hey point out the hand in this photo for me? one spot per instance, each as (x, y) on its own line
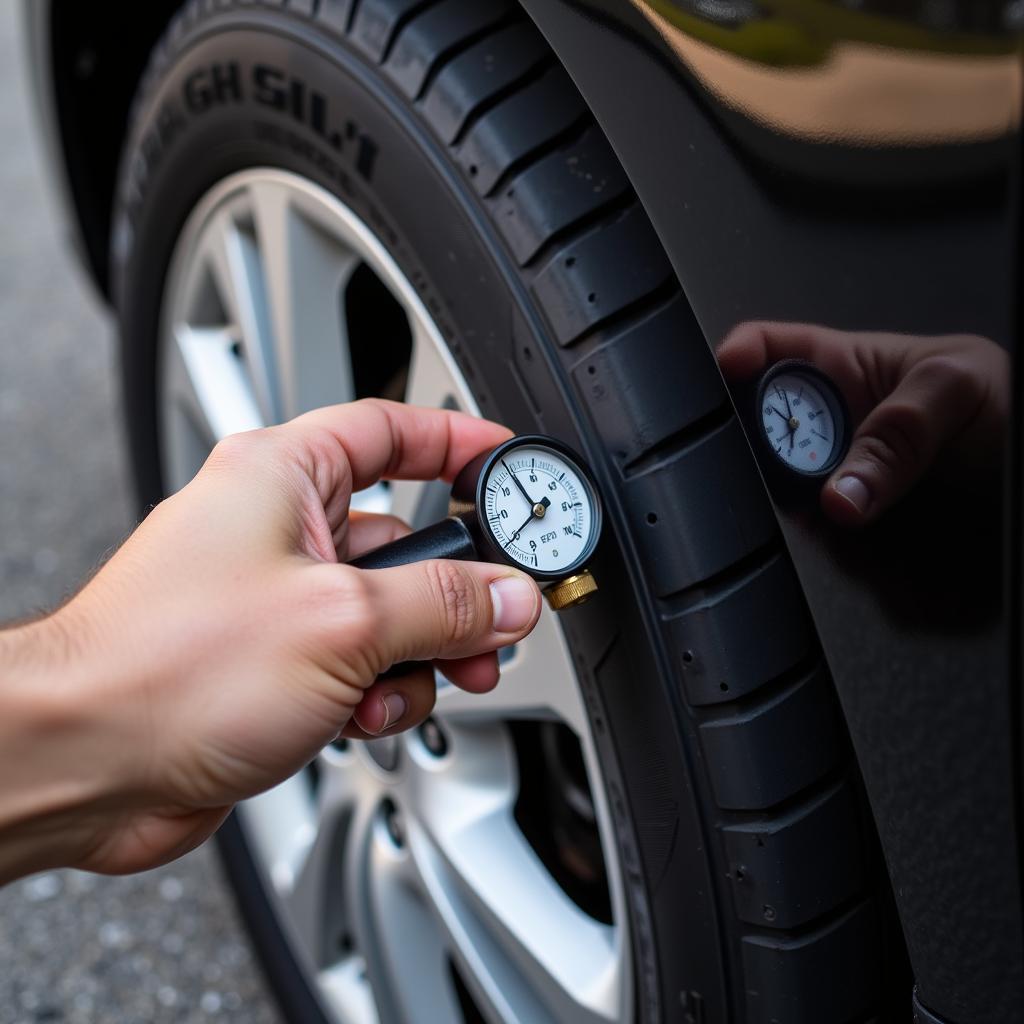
(224, 645)
(923, 404)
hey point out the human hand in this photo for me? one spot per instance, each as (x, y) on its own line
(922, 404)
(223, 645)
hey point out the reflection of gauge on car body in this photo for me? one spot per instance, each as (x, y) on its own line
(802, 419)
(531, 503)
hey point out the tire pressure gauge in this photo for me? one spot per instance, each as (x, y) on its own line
(531, 503)
(802, 419)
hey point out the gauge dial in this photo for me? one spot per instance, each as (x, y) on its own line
(802, 418)
(539, 508)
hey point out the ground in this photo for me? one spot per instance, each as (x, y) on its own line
(161, 947)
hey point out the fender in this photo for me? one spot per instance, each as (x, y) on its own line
(783, 187)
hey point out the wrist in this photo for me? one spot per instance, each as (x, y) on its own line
(57, 757)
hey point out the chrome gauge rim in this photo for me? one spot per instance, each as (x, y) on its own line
(422, 877)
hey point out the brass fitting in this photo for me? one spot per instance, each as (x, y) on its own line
(572, 591)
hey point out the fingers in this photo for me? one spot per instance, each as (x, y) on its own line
(447, 609)
(369, 530)
(477, 673)
(751, 346)
(397, 704)
(393, 705)
(356, 445)
(900, 438)
(866, 365)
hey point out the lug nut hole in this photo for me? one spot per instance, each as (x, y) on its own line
(433, 738)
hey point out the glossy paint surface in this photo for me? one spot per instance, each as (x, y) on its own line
(849, 175)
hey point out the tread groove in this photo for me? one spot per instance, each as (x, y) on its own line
(563, 138)
(351, 19)
(467, 42)
(792, 806)
(400, 22)
(721, 584)
(534, 73)
(767, 694)
(639, 309)
(676, 443)
(816, 928)
(570, 232)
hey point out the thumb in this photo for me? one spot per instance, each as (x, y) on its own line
(450, 609)
(899, 440)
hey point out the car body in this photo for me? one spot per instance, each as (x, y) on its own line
(852, 165)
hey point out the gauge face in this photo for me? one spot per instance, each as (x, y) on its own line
(802, 418)
(539, 508)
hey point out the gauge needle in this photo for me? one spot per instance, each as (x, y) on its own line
(522, 489)
(515, 536)
(777, 413)
(784, 395)
(545, 502)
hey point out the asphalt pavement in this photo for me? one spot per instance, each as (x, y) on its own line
(156, 948)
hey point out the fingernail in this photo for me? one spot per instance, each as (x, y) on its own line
(855, 491)
(394, 706)
(514, 601)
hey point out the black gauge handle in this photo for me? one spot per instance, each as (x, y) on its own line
(450, 538)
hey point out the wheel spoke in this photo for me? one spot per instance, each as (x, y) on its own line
(314, 902)
(213, 384)
(230, 255)
(432, 382)
(406, 960)
(281, 825)
(346, 987)
(527, 952)
(432, 373)
(304, 270)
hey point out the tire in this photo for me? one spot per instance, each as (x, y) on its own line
(750, 867)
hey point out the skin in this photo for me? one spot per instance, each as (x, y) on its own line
(921, 404)
(224, 645)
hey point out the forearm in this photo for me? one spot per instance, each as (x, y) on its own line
(56, 759)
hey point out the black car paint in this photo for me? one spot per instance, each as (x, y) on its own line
(765, 223)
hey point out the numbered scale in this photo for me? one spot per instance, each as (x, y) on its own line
(531, 503)
(802, 419)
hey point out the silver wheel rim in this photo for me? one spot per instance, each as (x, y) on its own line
(403, 874)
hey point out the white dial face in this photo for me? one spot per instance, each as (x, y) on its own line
(798, 422)
(539, 509)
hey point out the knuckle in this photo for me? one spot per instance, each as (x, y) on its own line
(895, 445)
(951, 375)
(227, 450)
(457, 604)
(352, 602)
(235, 449)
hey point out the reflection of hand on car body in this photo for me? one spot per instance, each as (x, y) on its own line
(922, 404)
(224, 645)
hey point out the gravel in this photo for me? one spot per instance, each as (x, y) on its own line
(161, 947)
